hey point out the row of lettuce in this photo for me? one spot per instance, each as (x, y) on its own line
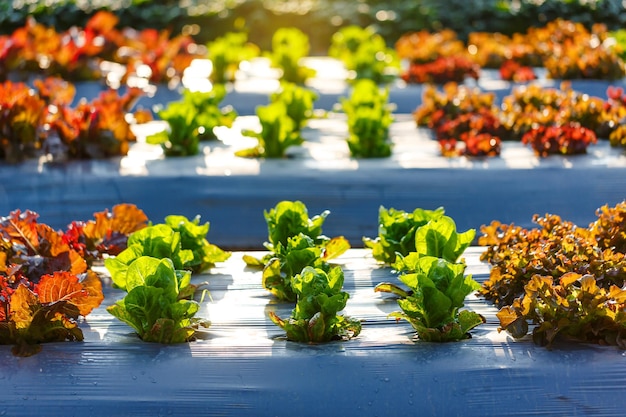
(39, 120)
(566, 49)
(465, 121)
(560, 280)
(319, 18)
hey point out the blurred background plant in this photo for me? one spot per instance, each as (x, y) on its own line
(319, 19)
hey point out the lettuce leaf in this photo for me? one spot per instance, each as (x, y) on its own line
(438, 289)
(178, 239)
(319, 299)
(153, 306)
(396, 232)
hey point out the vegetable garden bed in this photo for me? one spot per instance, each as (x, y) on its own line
(232, 192)
(243, 366)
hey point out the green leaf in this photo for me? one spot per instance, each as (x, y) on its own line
(319, 298)
(316, 327)
(276, 281)
(253, 262)
(439, 238)
(391, 288)
(140, 308)
(396, 232)
(193, 238)
(335, 247)
(118, 266)
(438, 290)
(469, 319)
(290, 218)
(153, 272)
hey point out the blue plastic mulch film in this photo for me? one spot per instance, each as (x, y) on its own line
(242, 365)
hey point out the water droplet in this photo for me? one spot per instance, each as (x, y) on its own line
(386, 379)
(95, 383)
(134, 377)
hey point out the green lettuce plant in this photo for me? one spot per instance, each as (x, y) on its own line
(365, 54)
(156, 304)
(319, 299)
(289, 46)
(290, 218)
(282, 265)
(295, 241)
(191, 120)
(180, 240)
(369, 117)
(396, 232)
(227, 52)
(437, 290)
(299, 102)
(437, 238)
(435, 277)
(193, 238)
(278, 133)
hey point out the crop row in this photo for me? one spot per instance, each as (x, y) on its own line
(567, 50)
(41, 122)
(318, 17)
(564, 280)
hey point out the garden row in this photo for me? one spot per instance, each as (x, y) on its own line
(567, 50)
(566, 280)
(41, 122)
(318, 18)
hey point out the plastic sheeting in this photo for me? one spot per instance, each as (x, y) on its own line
(242, 366)
(232, 193)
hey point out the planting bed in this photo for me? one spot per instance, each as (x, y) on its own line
(243, 366)
(232, 192)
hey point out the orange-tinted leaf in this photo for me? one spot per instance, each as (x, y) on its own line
(588, 284)
(127, 218)
(53, 240)
(64, 286)
(617, 294)
(60, 286)
(22, 227)
(23, 306)
(3, 261)
(569, 278)
(56, 90)
(93, 286)
(78, 265)
(506, 315)
(124, 218)
(102, 21)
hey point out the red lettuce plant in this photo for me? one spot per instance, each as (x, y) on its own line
(45, 285)
(567, 280)
(78, 52)
(511, 70)
(22, 117)
(568, 139)
(36, 122)
(442, 70)
(107, 233)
